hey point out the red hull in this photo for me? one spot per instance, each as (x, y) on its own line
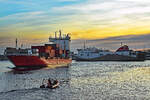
(34, 62)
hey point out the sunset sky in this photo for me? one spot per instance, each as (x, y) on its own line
(84, 19)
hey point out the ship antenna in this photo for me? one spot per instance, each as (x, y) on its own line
(64, 49)
(21, 45)
(16, 42)
(84, 44)
(121, 44)
(56, 34)
(60, 34)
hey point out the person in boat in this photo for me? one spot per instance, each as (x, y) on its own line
(55, 82)
(43, 85)
(49, 83)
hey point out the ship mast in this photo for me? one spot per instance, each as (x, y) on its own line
(55, 34)
(121, 44)
(16, 42)
(60, 34)
(84, 44)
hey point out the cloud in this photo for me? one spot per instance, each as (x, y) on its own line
(36, 22)
(137, 1)
(66, 0)
(87, 18)
(109, 11)
(112, 43)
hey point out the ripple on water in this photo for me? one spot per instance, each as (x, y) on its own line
(83, 80)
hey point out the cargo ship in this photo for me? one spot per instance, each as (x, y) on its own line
(121, 54)
(56, 53)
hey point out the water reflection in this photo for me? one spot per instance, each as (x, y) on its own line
(33, 79)
(112, 81)
(82, 80)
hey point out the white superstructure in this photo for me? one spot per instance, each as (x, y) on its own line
(63, 40)
(124, 50)
(123, 53)
(91, 53)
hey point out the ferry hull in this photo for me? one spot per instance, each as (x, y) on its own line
(23, 63)
(112, 57)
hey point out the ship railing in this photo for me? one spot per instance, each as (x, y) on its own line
(21, 54)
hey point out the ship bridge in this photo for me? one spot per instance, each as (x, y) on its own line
(63, 40)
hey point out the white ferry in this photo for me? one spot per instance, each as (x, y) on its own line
(121, 54)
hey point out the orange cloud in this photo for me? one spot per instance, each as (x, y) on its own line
(113, 31)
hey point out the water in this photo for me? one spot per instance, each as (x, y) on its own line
(81, 81)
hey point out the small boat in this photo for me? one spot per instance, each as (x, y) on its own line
(53, 86)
